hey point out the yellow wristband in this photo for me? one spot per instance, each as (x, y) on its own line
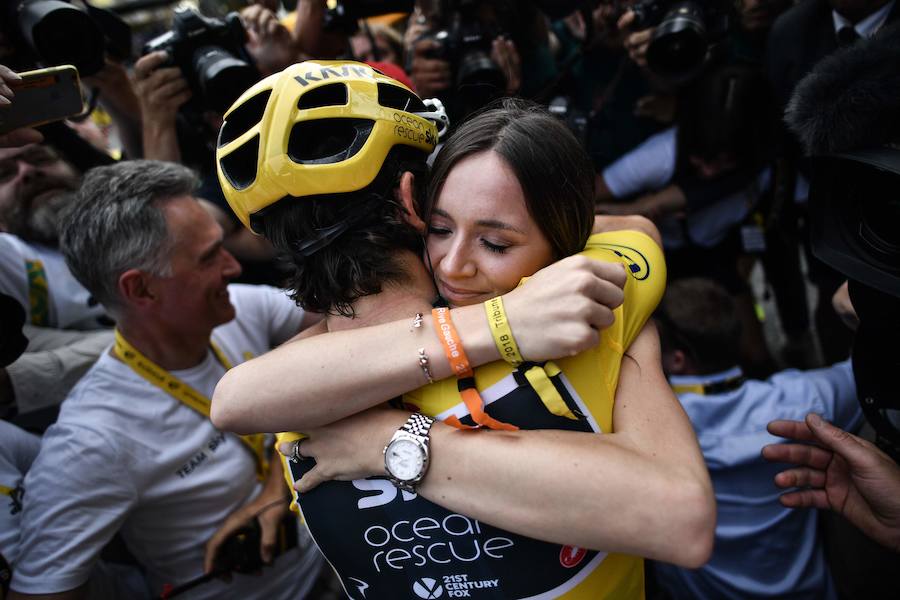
(503, 336)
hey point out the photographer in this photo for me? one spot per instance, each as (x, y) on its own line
(66, 327)
(845, 113)
(800, 38)
(184, 82)
(762, 548)
(674, 40)
(469, 52)
(699, 181)
(97, 43)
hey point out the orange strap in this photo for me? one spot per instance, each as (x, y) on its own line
(459, 362)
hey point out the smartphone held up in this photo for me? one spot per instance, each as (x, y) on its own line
(42, 96)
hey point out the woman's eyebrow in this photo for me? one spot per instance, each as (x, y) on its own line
(494, 224)
(487, 223)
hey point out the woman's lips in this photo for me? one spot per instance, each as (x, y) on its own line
(449, 290)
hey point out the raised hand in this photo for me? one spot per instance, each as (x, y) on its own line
(839, 471)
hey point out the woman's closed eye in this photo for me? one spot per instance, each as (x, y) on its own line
(438, 230)
(494, 247)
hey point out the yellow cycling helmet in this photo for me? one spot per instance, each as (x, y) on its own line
(318, 127)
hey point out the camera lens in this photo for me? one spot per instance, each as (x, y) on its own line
(477, 68)
(222, 76)
(62, 34)
(679, 44)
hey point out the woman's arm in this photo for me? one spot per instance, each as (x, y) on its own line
(310, 382)
(655, 205)
(604, 223)
(641, 490)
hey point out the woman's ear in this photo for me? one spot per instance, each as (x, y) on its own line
(406, 194)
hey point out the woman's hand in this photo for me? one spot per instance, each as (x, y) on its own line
(349, 449)
(561, 309)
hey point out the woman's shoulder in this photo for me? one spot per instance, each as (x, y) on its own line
(646, 266)
(635, 248)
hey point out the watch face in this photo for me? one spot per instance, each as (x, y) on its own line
(404, 459)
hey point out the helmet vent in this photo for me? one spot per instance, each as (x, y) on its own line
(239, 167)
(334, 94)
(326, 141)
(392, 96)
(243, 118)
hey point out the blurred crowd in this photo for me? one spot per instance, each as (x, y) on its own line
(680, 106)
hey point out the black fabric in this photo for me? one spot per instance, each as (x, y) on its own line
(847, 35)
(718, 263)
(799, 39)
(701, 193)
(12, 341)
(388, 543)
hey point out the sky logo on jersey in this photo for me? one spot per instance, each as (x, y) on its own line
(428, 588)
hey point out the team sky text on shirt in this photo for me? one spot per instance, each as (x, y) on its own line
(212, 445)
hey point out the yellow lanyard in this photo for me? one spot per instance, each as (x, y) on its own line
(185, 394)
(38, 293)
(6, 491)
(706, 389)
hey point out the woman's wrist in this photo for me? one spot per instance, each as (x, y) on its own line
(475, 334)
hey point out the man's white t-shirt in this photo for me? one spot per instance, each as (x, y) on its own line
(68, 304)
(17, 452)
(124, 455)
(651, 166)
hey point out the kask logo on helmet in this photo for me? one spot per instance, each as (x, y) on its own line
(325, 73)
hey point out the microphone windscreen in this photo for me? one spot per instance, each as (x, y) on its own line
(851, 98)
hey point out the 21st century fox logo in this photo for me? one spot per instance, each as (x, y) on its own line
(456, 586)
(428, 588)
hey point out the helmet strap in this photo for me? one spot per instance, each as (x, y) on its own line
(324, 236)
(440, 301)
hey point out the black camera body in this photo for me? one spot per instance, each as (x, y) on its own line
(855, 228)
(467, 47)
(466, 42)
(845, 113)
(684, 31)
(210, 53)
(54, 32)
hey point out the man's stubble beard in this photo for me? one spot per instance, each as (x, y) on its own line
(38, 224)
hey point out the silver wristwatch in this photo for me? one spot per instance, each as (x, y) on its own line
(406, 455)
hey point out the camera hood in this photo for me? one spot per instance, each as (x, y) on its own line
(855, 215)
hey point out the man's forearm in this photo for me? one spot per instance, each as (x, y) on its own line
(79, 593)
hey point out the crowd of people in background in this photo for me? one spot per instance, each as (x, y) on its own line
(130, 285)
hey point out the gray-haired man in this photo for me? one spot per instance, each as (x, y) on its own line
(132, 450)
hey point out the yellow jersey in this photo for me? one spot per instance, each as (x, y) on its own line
(388, 543)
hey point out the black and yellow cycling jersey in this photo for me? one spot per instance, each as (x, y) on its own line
(388, 543)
